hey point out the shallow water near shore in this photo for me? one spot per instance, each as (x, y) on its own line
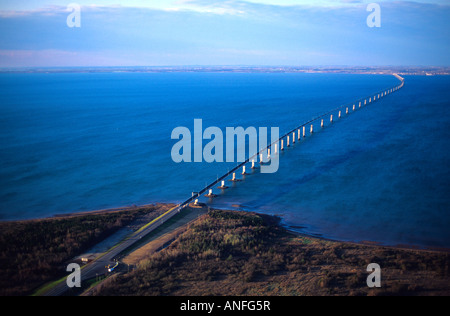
(78, 142)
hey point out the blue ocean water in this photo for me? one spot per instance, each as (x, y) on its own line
(75, 142)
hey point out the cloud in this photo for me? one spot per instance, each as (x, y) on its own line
(226, 32)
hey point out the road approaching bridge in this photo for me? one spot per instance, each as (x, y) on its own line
(98, 266)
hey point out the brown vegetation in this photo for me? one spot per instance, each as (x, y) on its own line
(231, 253)
(34, 252)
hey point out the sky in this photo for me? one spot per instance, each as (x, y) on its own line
(224, 32)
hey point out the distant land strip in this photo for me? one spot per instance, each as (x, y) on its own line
(389, 70)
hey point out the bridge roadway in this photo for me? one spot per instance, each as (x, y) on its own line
(350, 106)
(97, 267)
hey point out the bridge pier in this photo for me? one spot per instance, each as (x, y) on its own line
(211, 194)
(331, 118)
(312, 129)
(321, 123)
(223, 186)
(304, 131)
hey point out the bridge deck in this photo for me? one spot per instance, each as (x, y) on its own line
(360, 102)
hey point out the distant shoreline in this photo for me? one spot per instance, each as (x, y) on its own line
(389, 70)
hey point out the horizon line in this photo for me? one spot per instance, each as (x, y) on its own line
(361, 69)
(228, 66)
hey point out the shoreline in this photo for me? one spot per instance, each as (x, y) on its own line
(236, 208)
(86, 213)
(225, 253)
(167, 238)
(292, 229)
(369, 243)
(109, 210)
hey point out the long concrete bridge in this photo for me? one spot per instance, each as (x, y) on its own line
(296, 134)
(288, 139)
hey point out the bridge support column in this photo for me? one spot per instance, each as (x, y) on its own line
(321, 123)
(312, 129)
(210, 194)
(223, 186)
(331, 118)
(304, 131)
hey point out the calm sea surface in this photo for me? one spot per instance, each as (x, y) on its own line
(77, 142)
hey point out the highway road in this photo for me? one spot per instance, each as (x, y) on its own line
(97, 267)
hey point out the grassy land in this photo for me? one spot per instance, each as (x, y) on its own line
(231, 253)
(34, 252)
